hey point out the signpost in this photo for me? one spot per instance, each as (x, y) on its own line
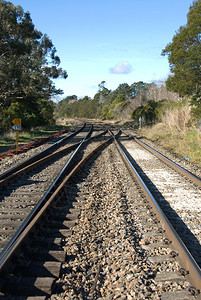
(17, 126)
(140, 122)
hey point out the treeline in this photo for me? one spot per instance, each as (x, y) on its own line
(148, 100)
(28, 64)
(140, 99)
(103, 104)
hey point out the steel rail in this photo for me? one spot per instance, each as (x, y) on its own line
(42, 160)
(168, 161)
(36, 163)
(39, 155)
(50, 190)
(184, 256)
(41, 201)
(16, 244)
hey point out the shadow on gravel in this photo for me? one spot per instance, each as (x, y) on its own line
(181, 228)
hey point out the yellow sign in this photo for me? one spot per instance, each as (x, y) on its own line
(16, 121)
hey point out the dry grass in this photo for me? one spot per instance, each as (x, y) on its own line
(187, 145)
(177, 119)
(174, 134)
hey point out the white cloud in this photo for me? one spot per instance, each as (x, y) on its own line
(121, 68)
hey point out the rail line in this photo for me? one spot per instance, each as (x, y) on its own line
(166, 160)
(15, 243)
(99, 234)
(12, 214)
(190, 267)
(41, 154)
(176, 190)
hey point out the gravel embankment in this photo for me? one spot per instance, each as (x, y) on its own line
(196, 170)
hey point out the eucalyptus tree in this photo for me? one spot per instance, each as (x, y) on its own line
(28, 65)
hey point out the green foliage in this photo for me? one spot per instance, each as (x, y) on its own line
(109, 115)
(106, 97)
(27, 66)
(196, 107)
(46, 109)
(138, 87)
(120, 98)
(151, 111)
(104, 110)
(106, 103)
(184, 55)
(137, 113)
(83, 108)
(161, 107)
(116, 107)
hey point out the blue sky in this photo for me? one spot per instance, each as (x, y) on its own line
(108, 40)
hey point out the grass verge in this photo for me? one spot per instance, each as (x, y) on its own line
(8, 140)
(185, 144)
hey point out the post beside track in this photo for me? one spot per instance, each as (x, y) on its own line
(100, 231)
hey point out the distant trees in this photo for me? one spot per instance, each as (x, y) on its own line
(184, 55)
(150, 112)
(113, 111)
(28, 63)
(106, 103)
(82, 108)
(138, 87)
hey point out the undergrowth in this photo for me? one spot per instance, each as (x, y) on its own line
(186, 144)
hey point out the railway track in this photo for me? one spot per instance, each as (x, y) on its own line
(23, 159)
(98, 236)
(176, 190)
(30, 183)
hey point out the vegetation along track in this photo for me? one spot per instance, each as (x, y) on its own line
(101, 226)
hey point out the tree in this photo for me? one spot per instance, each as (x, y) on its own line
(123, 89)
(102, 93)
(28, 63)
(138, 87)
(184, 55)
(115, 107)
(102, 85)
(149, 112)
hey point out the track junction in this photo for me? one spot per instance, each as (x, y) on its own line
(99, 215)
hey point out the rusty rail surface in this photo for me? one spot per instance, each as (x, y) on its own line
(193, 272)
(51, 189)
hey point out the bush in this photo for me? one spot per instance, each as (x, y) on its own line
(147, 112)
